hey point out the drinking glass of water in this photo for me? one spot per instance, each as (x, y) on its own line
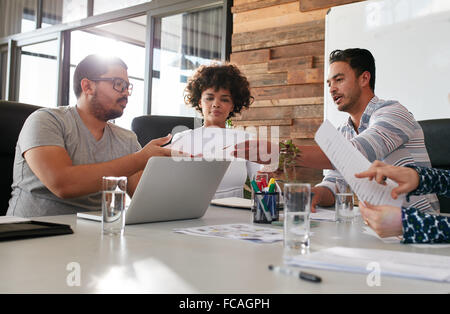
(297, 207)
(113, 205)
(344, 202)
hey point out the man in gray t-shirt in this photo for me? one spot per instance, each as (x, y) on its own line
(62, 153)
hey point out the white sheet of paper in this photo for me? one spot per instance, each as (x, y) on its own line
(396, 240)
(237, 231)
(388, 240)
(211, 142)
(348, 161)
(323, 215)
(390, 263)
(12, 219)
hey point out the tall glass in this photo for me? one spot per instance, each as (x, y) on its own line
(344, 202)
(297, 208)
(113, 205)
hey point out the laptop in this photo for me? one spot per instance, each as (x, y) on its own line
(172, 189)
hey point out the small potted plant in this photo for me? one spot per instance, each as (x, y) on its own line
(288, 154)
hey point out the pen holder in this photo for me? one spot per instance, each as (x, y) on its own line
(265, 207)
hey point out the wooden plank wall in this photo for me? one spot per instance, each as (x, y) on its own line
(279, 45)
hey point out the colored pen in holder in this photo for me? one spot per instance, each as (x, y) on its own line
(264, 207)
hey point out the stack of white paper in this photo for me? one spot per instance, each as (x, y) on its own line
(237, 231)
(390, 263)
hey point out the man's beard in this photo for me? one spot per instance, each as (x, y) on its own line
(351, 102)
(101, 113)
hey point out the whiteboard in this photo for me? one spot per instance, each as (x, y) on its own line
(410, 40)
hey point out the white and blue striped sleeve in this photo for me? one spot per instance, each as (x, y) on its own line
(389, 128)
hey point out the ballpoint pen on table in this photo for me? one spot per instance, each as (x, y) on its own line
(296, 273)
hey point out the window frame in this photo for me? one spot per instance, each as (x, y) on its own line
(164, 12)
(61, 32)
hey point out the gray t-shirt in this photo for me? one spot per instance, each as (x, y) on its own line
(62, 127)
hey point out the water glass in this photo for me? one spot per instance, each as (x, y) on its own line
(113, 205)
(344, 202)
(297, 208)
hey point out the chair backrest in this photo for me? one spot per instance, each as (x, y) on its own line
(437, 141)
(12, 117)
(149, 127)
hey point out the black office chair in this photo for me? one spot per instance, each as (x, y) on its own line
(149, 127)
(437, 141)
(12, 117)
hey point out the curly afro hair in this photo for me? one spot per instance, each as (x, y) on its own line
(217, 76)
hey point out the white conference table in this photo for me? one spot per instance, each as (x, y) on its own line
(151, 258)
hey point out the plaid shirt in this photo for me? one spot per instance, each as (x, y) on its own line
(421, 227)
(388, 132)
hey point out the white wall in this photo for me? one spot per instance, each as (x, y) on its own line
(410, 40)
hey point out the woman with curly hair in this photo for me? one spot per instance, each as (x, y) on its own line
(218, 92)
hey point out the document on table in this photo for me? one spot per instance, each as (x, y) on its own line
(390, 263)
(237, 202)
(348, 161)
(387, 240)
(237, 231)
(323, 215)
(396, 240)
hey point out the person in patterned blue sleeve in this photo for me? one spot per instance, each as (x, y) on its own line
(415, 226)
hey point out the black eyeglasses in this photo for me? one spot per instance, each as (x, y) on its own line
(119, 84)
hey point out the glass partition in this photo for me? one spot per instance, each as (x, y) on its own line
(124, 39)
(181, 44)
(102, 6)
(38, 74)
(62, 11)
